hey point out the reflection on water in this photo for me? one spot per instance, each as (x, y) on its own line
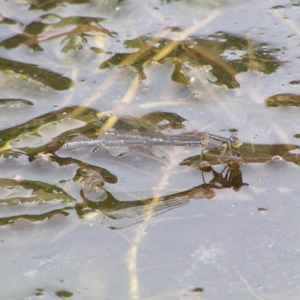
(119, 210)
(66, 181)
(60, 181)
(210, 64)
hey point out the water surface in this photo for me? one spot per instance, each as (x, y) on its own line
(90, 224)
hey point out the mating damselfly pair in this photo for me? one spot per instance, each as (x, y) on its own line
(134, 139)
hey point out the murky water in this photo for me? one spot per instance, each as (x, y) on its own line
(96, 224)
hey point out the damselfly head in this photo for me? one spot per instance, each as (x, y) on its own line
(235, 140)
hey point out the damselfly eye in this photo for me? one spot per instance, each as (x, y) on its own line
(236, 141)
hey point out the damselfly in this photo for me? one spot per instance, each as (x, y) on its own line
(135, 139)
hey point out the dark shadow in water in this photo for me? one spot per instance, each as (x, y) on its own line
(54, 80)
(196, 52)
(121, 210)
